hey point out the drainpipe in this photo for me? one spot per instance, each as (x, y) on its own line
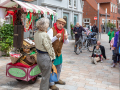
(106, 22)
(98, 21)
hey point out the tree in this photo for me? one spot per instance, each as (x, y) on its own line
(111, 25)
(6, 37)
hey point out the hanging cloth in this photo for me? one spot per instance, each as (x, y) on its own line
(13, 13)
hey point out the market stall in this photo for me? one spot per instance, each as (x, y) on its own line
(23, 64)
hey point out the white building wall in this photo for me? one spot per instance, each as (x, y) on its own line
(62, 6)
(2, 13)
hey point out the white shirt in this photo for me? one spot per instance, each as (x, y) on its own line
(50, 33)
(90, 27)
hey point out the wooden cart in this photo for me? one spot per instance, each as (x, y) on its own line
(23, 74)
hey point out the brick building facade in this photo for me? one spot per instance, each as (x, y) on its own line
(90, 11)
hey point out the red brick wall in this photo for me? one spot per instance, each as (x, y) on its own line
(106, 5)
(89, 12)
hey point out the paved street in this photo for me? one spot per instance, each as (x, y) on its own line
(77, 72)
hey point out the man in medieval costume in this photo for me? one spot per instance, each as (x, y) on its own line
(58, 36)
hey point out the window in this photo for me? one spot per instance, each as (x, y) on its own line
(86, 20)
(75, 4)
(111, 7)
(116, 8)
(111, 21)
(103, 21)
(70, 3)
(65, 18)
(115, 22)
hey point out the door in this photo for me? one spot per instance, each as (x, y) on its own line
(66, 18)
(75, 19)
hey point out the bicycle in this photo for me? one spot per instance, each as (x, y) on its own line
(78, 46)
(90, 42)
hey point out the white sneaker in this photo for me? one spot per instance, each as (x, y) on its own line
(95, 61)
(101, 61)
(92, 60)
(113, 66)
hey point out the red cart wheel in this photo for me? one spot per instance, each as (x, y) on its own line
(19, 80)
(33, 80)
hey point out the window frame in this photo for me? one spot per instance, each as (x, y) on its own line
(111, 7)
(103, 21)
(116, 8)
(75, 7)
(115, 22)
(86, 20)
(70, 5)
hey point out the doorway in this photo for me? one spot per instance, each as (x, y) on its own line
(75, 19)
(66, 18)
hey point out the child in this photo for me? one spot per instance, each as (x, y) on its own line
(111, 34)
(97, 53)
(112, 48)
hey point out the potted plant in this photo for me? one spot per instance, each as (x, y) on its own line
(109, 26)
(6, 38)
(72, 26)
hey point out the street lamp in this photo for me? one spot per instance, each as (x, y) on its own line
(98, 20)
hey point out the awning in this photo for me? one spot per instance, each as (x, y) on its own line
(27, 7)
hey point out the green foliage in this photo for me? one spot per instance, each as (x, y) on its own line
(72, 26)
(111, 25)
(6, 37)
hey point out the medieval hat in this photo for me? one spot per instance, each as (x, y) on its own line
(62, 20)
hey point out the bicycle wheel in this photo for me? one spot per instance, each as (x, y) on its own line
(90, 46)
(78, 47)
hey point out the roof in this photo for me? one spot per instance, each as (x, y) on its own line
(27, 7)
(107, 1)
(94, 5)
(103, 1)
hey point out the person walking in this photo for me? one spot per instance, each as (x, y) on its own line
(45, 52)
(95, 28)
(116, 46)
(112, 48)
(59, 37)
(111, 35)
(90, 27)
(78, 32)
(102, 28)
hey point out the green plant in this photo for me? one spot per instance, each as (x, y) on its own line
(111, 25)
(72, 26)
(6, 37)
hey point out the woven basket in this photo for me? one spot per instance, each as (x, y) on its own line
(21, 61)
(13, 59)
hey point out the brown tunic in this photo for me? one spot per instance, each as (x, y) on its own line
(57, 45)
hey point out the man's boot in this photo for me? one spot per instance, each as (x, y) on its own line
(60, 82)
(54, 87)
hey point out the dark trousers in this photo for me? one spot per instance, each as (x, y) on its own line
(117, 59)
(76, 39)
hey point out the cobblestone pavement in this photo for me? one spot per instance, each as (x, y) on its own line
(77, 72)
